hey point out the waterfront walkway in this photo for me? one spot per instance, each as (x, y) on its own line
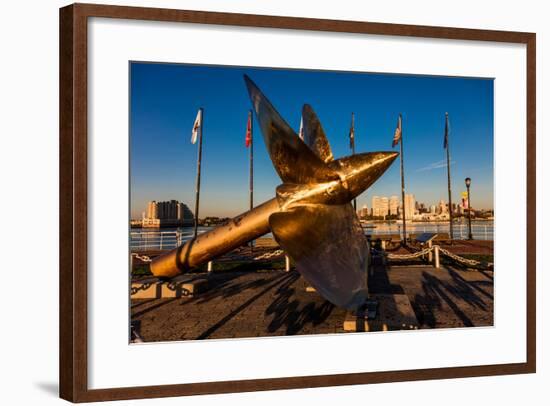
(274, 302)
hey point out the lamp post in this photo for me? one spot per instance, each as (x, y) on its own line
(468, 181)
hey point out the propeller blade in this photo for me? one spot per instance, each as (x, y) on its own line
(329, 249)
(292, 159)
(314, 135)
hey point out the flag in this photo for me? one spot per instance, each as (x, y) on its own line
(447, 130)
(196, 126)
(248, 138)
(397, 134)
(352, 132)
(301, 131)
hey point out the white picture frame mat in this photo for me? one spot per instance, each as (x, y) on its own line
(115, 363)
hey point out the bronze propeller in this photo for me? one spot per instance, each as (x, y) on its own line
(311, 216)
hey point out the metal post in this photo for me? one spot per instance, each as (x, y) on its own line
(287, 263)
(449, 175)
(352, 142)
(198, 185)
(436, 256)
(251, 168)
(430, 253)
(401, 157)
(470, 237)
(383, 244)
(131, 263)
(210, 266)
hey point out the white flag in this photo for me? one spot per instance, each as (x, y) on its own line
(301, 132)
(196, 126)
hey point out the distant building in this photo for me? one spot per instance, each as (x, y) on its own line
(442, 209)
(380, 206)
(409, 206)
(184, 213)
(375, 206)
(167, 214)
(455, 207)
(364, 212)
(460, 209)
(394, 205)
(152, 212)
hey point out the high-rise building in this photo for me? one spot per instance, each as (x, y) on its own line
(364, 212)
(152, 210)
(380, 206)
(394, 205)
(409, 206)
(168, 213)
(184, 214)
(376, 206)
(442, 207)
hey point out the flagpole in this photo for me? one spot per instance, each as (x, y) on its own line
(402, 182)
(251, 169)
(198, 184)
(353, 151)
(449, 175)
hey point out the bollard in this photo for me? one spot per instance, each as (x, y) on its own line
(430, 253)
(287, 263)
(383, 257)
(436, 256)
(210, 266)
(131, 263)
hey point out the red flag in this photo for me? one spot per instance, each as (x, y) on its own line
(248, 139)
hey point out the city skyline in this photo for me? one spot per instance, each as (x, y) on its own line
(165, 99)
(383, 206)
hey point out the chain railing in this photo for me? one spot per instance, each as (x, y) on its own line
(418, 254)
(465, 261)
(264, 256)
(412, 255)
(269, 255)
(437, 250)
(142, 258)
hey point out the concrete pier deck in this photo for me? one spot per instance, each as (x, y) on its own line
(239, 304)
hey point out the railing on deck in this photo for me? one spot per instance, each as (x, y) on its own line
(460, 231)
(166, 240)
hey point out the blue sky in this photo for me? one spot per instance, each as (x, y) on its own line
(164, 99)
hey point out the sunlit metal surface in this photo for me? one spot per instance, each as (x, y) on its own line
(314, 135)
(222, 239)
(311, 217)
(329, 249)
(292, 159)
